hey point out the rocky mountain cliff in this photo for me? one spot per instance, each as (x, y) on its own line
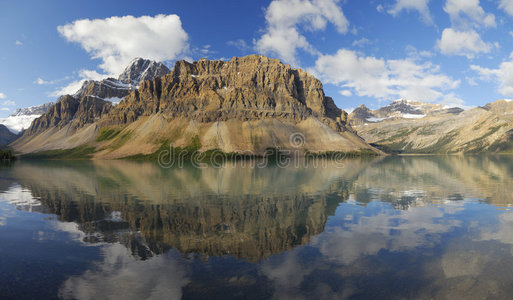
(247, 104)
(247, 88)
(95, 98)
(481, 129)
(6, 135)
(140, 70)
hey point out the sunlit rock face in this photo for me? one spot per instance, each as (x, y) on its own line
(95, 98)
(245, 105)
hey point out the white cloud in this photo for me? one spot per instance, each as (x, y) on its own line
(18, 43)
(503, 75)
(346, 93)
(464, 43)
(41, 81)
(462, 38)
(468, 13)
(383, 79)
(159, 277)
(9, 103)
(284, 20)
(117, 40)
(2, 96)
(361, 42)
(380, 8)
(72, 87)
(5, 109)
(419, 5)
(507, 5)
(239, 44)
(413, 53)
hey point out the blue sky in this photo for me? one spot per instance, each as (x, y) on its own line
(455, 52)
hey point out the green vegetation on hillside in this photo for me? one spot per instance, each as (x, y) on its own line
(82, 152)
(107, 134)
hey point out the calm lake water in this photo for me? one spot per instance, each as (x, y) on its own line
(395, 227)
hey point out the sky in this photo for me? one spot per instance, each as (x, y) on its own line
(452, 52)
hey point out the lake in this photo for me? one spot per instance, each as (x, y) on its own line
(392, 227)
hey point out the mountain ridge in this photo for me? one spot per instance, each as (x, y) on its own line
(487, 128)
(247, 104)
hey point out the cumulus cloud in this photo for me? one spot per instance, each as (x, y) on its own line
(462, 38)
(19, 43)
(361, 42)
(464, 43)
(507, 5)
(41, 81)
(468, 13)
(346, 93)
(117, 40)
(2, 96)
(161, 277)
(419, 5)
(384, 79)
(9, 103)
(286, 18)
(239, 44)
(503, 75)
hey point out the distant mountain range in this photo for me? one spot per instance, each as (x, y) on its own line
(400, 109)
(434, 129)
(248, 104)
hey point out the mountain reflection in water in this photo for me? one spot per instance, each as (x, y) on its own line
(414, 227)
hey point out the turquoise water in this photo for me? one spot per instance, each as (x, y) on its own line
(395, 227)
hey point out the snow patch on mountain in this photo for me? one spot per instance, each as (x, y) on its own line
(22, 118)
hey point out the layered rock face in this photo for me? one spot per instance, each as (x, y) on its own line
(70, 111)
(247, 104)
(248, 88)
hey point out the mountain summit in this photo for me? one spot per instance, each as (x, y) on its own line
(141, 69)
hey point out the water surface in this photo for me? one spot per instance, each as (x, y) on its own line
(395, 227)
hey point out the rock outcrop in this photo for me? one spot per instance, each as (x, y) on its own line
(6, 136)
(140, 70)
(94, 98)
(247, 104)
(248, 88)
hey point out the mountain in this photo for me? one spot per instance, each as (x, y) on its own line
(482, 129)
(247, 104)
(140, 70)
(6, 135)
(90, 102)
(21, 118)
(400, 109)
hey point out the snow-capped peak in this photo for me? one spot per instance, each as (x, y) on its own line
(22, 118)
(141, 69)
